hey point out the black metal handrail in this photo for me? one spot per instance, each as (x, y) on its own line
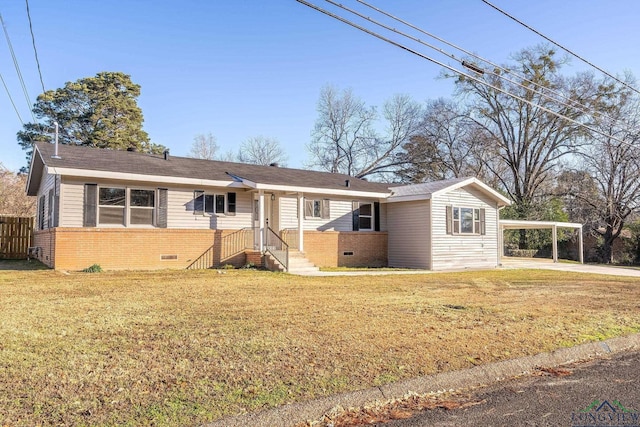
(277, 247)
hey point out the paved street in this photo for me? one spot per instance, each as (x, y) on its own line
(576, 397)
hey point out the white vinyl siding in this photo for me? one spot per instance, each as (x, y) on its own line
(408, 234)
(47, 183)
(179, 207)
(340, 215)
(463, 250)
(180, 211)
(71, 203)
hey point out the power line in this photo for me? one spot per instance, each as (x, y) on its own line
(572, 103)
(560, 46)
(17, 67)
(33, 41)
(11, 99)
(473, 55)
(448, 67)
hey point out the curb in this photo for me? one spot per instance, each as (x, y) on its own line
(289, 415)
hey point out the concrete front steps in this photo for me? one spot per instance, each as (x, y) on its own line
(298, 264)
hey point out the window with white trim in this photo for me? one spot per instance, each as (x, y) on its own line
(126, 206)
(366, 217)
(316, 208)
(464, 220)
(112, 203)
(210, 203)
(141, 207)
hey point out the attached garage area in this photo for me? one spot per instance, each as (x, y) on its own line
(508, 224)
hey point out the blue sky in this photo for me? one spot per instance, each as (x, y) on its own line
(243, 68)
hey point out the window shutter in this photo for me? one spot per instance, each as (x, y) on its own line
(198, 202)
(483, 228)
(356, 215)
(231, 204)
(325, 212)
(90, 205)
(162, 207)
(56, 211)
(376, 216)
(308, 208)
(449, 219)
(50, 210)
(41, 213)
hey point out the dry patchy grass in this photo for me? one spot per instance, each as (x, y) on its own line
(187, 347)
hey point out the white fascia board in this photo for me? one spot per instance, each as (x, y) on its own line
(409, 198)
(517, 224)
(313, 190)
(95, 174)
(483, 187)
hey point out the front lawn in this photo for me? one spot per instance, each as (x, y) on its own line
(187, 347)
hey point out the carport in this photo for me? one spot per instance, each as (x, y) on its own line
(514, 224)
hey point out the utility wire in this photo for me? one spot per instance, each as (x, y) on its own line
(559, 45)
(572, 103)
(33, 41)
(479, 58)
(448, 67)
(17, 67)
(11, 99)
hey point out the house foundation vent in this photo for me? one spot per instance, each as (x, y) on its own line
(168, 257)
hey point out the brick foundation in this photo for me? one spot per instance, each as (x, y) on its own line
(143, 249)
(346, 249)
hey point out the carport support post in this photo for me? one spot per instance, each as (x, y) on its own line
(554, 232)
(580, 246)
(300, 222)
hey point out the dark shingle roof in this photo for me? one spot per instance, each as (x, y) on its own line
(426, 188)
(78, 157)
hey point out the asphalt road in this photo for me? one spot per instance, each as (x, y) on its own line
(577, 395)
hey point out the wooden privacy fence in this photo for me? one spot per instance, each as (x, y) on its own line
(15, 237)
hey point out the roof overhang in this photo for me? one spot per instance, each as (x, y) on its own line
(502, 200)
(96, 174)
(484, 188)
(314, 190)
(515, 224)
(36, 168)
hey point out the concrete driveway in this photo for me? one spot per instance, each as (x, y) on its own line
(547, 264)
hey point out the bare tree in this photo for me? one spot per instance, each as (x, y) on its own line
(262, 150)
(446, 145)
(344, 138)
(13, 197)
(614, 164)
(204, 147)
(526, 138)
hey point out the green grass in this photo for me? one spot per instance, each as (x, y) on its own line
(188, 347)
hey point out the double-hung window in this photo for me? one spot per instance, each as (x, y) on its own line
(126, 206)
(317, 209)
(212, 204)
(366, 217)
(141, 207)
(463, 220)
(112, 203)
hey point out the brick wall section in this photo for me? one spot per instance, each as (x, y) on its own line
(45, 240)
(327, 248)
(114, 249)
